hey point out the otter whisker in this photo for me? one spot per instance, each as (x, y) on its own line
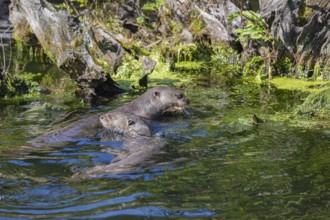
(186, 112)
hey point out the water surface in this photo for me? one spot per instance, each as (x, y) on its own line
(215, 165)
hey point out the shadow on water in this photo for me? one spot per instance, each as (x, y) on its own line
(216, 164)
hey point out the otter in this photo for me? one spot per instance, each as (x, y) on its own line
(136, 149)
(125, 123)
(150, 105)
(156, 101)
(74, 132)
(138, 146)
(134, 153)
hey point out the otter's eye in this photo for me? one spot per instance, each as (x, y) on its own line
(131, 122)
(179, 95)
(102, 117)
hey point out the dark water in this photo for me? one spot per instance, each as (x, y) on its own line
(215, 165)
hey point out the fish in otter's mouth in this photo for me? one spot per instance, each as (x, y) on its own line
(179, 108)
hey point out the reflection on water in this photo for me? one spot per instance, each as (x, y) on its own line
(215, 164)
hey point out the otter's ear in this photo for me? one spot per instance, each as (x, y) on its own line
(156, 94)
(130, 122)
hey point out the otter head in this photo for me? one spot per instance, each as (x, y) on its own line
(125, 123)
(171, 99)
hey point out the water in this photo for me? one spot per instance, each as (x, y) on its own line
(216, 163)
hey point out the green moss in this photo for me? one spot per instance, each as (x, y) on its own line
(188, 66)
(155, 5)
(30, 76)
(299, 84)
(185, 52)
(197, 27)
(175, 27)
(316, 105)
(169, 78)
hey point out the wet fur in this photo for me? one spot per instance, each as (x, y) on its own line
(155, 102)
(150, 105)
(134, 154)
(138, 149)
(125, 123)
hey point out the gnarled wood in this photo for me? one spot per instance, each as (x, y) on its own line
(301, 26)
(70, 43)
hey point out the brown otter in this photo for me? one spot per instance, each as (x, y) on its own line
(134, 153)
(137, 148)
(154, 102)
(71, 133)
(150, 105)
(125, 123)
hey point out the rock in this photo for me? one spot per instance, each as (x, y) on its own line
(4, 12)
(301, 26)
(186, 36)
(69, 42)
(215, 16)
(216, 19)
(148, 68)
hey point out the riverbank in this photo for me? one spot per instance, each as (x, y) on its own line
(192, 36)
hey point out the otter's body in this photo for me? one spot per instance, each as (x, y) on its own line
(155, 102)
(134, 153)
(71, 133)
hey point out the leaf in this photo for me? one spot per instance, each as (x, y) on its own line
(232, 16)
(255, 18)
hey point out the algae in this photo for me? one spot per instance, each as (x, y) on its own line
(187, 66)
(317, 104)
(299, 84)
(316, 100)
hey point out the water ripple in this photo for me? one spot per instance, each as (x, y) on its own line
(150, 211)
(46, 210)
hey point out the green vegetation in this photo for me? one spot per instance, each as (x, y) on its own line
(153, 5)
(186, 52)
(299, 85)
(131, 69)
(256, 27)
(186, 66)
(256, 30)
(22, 86)
(197, 60)
(316, 105)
